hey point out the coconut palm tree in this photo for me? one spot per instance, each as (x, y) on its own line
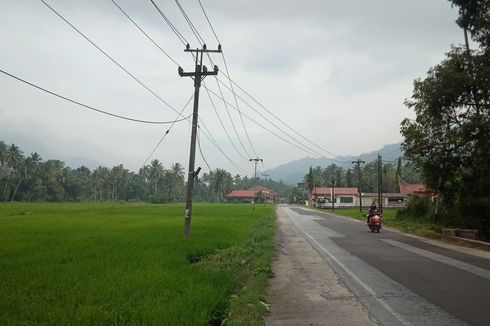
(156, 172)
(176, 181)
(14, 161)
(220, 183)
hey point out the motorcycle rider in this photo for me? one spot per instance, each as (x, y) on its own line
(372, 209)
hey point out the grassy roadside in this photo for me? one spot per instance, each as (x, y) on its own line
(128, 264)
(413, 226)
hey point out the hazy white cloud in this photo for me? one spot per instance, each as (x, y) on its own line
(330, 69)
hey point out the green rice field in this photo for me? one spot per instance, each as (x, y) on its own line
(129, 264)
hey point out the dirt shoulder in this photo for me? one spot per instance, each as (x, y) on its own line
(305, 289)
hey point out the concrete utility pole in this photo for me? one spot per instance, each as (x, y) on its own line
(333, 195)
(358, 162)
(265, 184)
(256, 160)
(198, 75)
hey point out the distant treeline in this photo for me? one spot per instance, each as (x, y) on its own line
(340, 177)
(29, 178)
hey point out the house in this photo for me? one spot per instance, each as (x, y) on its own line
(240, 196)
(389, 199)
(417, 189)
(349, 197)
(257, 194)
(341, 196)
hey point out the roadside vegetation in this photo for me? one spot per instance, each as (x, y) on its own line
(129, 264)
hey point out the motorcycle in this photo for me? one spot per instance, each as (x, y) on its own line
(375, 222)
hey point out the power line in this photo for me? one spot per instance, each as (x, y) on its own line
(209, 22)
(88, 106)
(142, 31)
(281, 121)
(211, 138)
(222, 124)
(285, 133)
(200, 150)
(191, 25)
(109, 57)
(228, 74)
(174, 29)
(272, 132)
(229, 117)
(166, 133)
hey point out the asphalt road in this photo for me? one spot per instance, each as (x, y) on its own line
(402, 280)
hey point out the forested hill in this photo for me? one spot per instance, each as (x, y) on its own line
(293, 172)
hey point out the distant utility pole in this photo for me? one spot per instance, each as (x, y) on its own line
(256, 160)
(333, 195)
(359, 162)
(198, 75)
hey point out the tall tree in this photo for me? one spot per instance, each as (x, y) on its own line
(450, 138)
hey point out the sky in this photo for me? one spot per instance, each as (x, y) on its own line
(336, 72)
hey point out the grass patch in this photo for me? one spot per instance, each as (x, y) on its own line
(128, 264)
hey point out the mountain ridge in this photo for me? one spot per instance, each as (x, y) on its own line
(294, 171)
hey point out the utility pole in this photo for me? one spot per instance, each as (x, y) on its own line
(358, 162)
(198, 75)
(256, 160)
(265, 184)
(333, 195)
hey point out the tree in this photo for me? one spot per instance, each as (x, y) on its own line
(449, 140)
(176, 182)
(14, 160)
(473, 16)
(348, 178)
(155, 174)
(220, 183)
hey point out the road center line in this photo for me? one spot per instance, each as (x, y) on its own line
(441, 259)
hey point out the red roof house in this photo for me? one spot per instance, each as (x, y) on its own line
(247, 195)
(417, 189)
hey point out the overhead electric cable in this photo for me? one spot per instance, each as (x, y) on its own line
(108, 56)
(228, 74)
(88, 106)
(275, 134)
(279, 119)
(211, 138)
(200, 150)
(166, 133)
(279, 128)
(189, 22)
(209, 22)
(174, 29)
(222, 124)
(142, 31)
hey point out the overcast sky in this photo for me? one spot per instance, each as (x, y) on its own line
(328, 68)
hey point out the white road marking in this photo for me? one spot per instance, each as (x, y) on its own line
(441, 259)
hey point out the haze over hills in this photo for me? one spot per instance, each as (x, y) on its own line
(293, 172)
